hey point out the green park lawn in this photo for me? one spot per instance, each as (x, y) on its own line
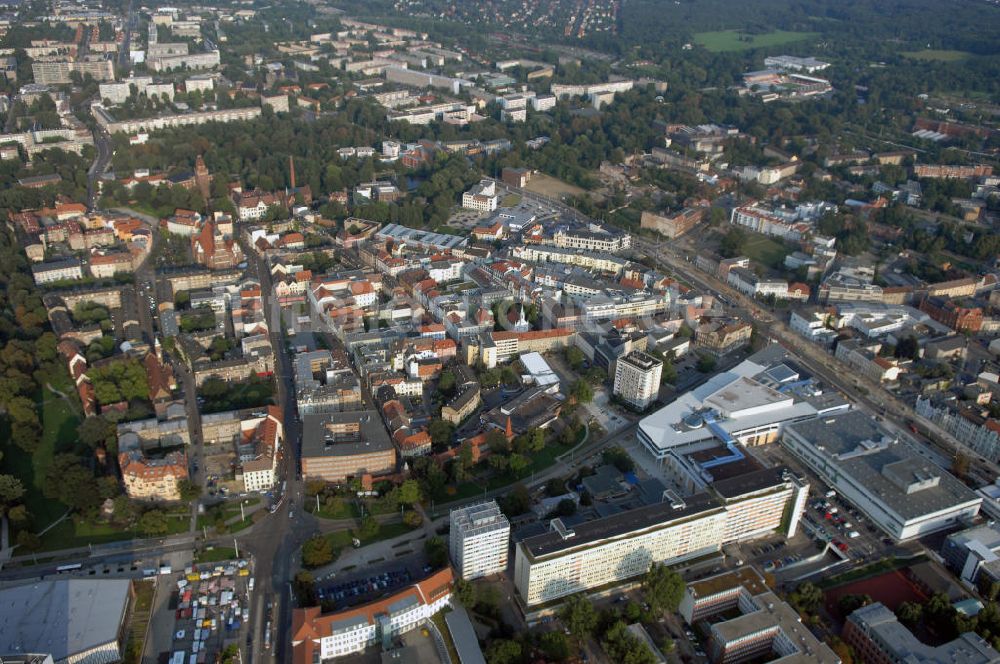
(215, 554)
(59, 423)
(761, 249)
(735, 40)
(937, 55)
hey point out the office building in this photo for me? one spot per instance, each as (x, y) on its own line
(637, 379)
(973, 553)
(482, 197)
(766, 628)
(478, 540)
(318, 637)
(73, 620)
(622, 546)
(901, 492)
(336, 446)
(877, 637)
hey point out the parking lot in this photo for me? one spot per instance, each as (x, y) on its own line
(830, 518)
(199, 611)
(343, 594)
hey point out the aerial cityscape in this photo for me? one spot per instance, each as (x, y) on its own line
(500, 332)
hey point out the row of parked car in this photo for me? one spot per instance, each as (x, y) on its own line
(360, 587)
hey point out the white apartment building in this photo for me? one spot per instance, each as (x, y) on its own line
(200, 82)
(565, 560)
(478, 540)
(812, 324)
(445, 271)
(748, 283)
(513, 115)
(112, 126)
(637, 379)
(482, 197)
(592, 240)
(536, 253)
(206, 60)
(765, 221)
(68, 268)
(58, 73)
(543, 102)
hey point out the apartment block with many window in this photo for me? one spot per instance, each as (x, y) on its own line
(637, 379)
(478, 540)
(612, 549)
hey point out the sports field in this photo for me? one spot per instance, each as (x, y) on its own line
(736, 40)
(892, 589)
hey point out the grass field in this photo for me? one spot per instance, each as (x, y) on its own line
(58, 434)
(937, 55)
(764, 250)
(77, 532)
(510, 200)
(546, 185)
(734, 40)
(215, 554)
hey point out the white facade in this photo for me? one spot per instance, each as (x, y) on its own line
(901, 493)
(363, 633)
(592, 241)
(513, 115)
(812, 326)
(543, 102)
(482, 197)
(45, 273)
(637, 379)
(445, 271)
(674, 532)
(478, 540)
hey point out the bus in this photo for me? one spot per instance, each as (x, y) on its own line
(267, 636)
(68, 568)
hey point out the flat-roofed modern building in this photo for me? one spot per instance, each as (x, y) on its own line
(877, 636)
(765, 629)
(73, 620)
(336, 446)
(478, 540)
(611, 549)
(901, 492)
(637, 379)
(749, 405)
